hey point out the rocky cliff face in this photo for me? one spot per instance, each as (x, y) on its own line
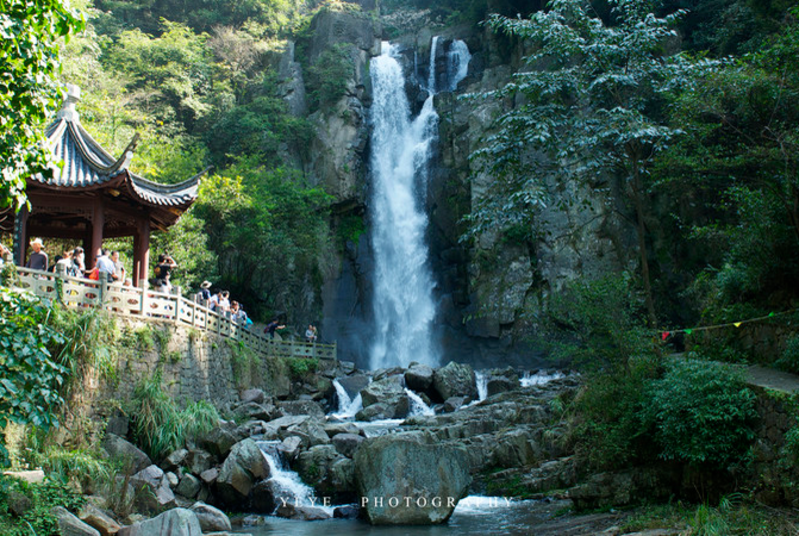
(484, 288)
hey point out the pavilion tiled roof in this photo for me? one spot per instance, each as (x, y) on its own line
(87, 165)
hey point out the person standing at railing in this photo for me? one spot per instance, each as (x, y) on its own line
(105, 267)
(78, 268)
(163, 272)
(38, 259)
(119, 268)
(64, 263)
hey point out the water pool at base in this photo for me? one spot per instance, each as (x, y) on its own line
(474, 516)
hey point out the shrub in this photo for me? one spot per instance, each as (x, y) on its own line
(43, 497)
(703, 414)
(598, 324)
(611, 429)
(301, 366)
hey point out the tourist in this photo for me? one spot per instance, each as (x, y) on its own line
(163, 272)
(105, 267)
(38, 259)
(78, 268)
(223, 306)
(119, 268)
(204, 294)
(273, 326)
(237, 313)
(64, 264)
(310, 334)
(213, 301)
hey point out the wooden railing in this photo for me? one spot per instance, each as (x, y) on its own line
(148, 304)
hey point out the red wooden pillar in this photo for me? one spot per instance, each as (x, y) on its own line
(141, 253)
(98, 222)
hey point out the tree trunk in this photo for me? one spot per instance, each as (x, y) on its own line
(641, 231)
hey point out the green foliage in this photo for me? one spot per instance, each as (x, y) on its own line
(300, 367)
(159, 427)
(611, 429)
(327, 77)
(43, 497)
(597, 324)
(703, 413)
(30, 377)
(243, 361)
(349, 228)
(30, 32)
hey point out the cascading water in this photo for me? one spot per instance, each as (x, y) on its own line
(287, 485)
(404, 307)
(347, 408)
(482, 385)
(418, 406)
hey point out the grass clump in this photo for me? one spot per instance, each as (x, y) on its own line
(25, 509)
(159, 426)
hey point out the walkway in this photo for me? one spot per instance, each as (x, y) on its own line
(134, 302)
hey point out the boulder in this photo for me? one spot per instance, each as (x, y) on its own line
(199, 461)
(70, 525)
(172, 479)
(454, 403)
(175, 522)
(175, 460)
(105, 524)
(152, 491)
(209, 476)
(290, 447)
(252, 411)
(18, 502)
(377, 412)
(390, 393)
(219, 441)
(189, 486)
(126, 454)
(211, 519)
(342, 477)
(354, 383)
(404, 479)
(347, 511)
(455, 379)
(302, 407)
(336, 428)
(315, 467)
(347, 444)
(253, 395)
(419, 377)
(310, 432)
(242, 469)
(502, 381)
(302, 512)
(264, 497)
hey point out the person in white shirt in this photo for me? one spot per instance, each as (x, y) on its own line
(106, 266)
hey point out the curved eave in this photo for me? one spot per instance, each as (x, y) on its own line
(85, 162)
(180, 195)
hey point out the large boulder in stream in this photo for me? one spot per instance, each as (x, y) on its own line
(406, 479)
(175, 522)
(244, 466)
(390, 394)
(419, 377)
(455, 379)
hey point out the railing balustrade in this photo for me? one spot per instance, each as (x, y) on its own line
(152, 305)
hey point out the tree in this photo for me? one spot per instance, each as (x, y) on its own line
(739, 161)
(591, 103)
(29, 90)
(30, 378)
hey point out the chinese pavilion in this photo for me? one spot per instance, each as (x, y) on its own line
(95, 196)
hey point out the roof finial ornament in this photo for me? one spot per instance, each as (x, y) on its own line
(68, 110)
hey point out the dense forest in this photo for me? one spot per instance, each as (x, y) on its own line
(679, 119)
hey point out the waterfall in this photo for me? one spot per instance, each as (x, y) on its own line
(347, 408)
(458, 60)
(418, 407)
(403, 284)
(404, 308)
(482, 385)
